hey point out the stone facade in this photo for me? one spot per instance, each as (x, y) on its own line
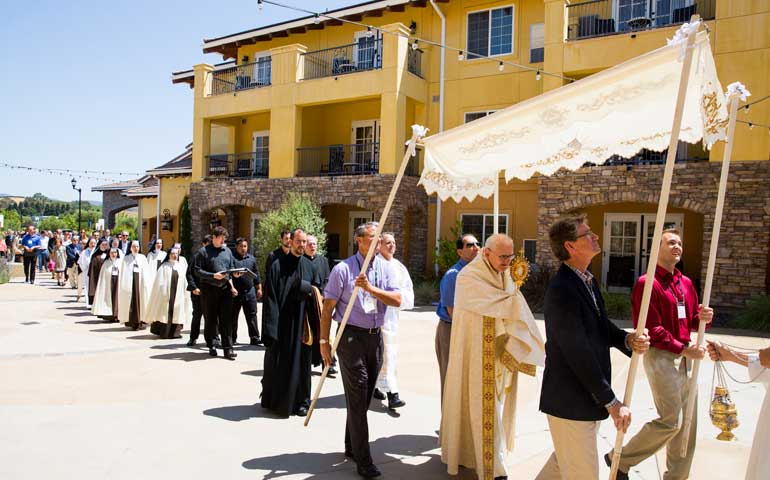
(742, 261)
(113, 203)
(368, 192)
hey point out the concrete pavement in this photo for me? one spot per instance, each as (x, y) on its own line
(82, 398)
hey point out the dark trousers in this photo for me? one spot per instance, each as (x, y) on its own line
(217, 304)
(29, 267)
(360, 355)
(197, 313)
(248, 302)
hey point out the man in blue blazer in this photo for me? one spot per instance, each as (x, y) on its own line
(576, 393)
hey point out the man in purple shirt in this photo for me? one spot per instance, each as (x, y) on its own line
(360, 349)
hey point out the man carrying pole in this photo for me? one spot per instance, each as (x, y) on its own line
(361, 347)
(674, 312)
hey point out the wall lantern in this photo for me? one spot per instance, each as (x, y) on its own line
(167, 221)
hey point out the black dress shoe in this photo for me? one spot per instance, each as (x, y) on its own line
(621, 474)
(332, 370)
(378, 394)
(348, 454)
(230, 354)
(302, 411)
(394, 402)
(256, 341)
(191, 343)
(212, 351)
(217, 343)
(369, 471)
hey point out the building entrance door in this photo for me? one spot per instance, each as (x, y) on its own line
(355, 219)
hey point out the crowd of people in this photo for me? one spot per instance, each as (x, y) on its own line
(486, 335)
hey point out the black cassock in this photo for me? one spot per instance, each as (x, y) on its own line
(289, 300)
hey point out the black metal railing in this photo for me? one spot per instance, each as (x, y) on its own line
(414, 61)
(596, 18)
(239, 165)
(336, 160)
(242, 77)
(648, 157)
(366, 54)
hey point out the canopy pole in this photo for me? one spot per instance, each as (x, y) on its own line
(658, 231)
(383, 218)
(711, 266)
(496, 206)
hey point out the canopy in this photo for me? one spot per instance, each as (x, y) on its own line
(618, 111)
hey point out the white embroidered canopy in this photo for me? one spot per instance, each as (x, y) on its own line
(618, 111)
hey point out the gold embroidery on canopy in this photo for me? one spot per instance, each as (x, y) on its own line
(493, 139)
(711, 108)
(488, 398)
(445, 183)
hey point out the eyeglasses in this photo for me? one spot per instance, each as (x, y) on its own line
(588, 233)
(504, 258)
(472, 244)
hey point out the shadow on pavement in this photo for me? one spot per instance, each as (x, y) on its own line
(335, 464)
(113, 329)
(254, 373)
(335, 401)
(85, 322)
(177, 346)
(144, 337)
(82, 314)
(78, 307)
(183, 356)
(239, 413)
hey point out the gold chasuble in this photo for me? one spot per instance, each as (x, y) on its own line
(494, 337)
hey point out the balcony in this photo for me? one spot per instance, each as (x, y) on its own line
(414, 62)
(365, 54)
(597, 18)
(337, 160)
(242, 77)
(684, 154)
(239, 165)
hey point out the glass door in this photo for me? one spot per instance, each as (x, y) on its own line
(621, 252)
(260, 148)
(364, 140)
(673, 220)
(366, 50)
(626, 10)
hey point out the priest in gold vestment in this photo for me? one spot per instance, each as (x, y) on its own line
(494, 337)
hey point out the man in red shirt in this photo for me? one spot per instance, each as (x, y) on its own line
(674, 312)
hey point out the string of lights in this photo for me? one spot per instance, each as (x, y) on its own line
(461, 54)
(748, 105)
(80, 174)
(753, 124)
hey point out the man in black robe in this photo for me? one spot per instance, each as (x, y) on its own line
(285, 330)
(195, 297)
(249, 291)
(321, 264)
(279, 252)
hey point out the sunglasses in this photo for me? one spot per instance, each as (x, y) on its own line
(472, 244)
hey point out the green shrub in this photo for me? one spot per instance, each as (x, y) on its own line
(296, 211)
(755, 315)
(426, 292)
(446, 254)
(5, 271)
(126, 223)
(618, 305)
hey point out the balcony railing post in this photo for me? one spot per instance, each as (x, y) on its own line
(242, 77)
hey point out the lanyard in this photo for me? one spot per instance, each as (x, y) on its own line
(677, 291)
(373, 266)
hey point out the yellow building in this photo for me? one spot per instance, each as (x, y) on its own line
(324, 106)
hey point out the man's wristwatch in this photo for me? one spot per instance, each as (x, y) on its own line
(322, 341)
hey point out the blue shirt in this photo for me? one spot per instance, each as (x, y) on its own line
(31, 241)
(447, 288)
(342, 281)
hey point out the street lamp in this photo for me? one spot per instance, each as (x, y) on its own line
(80, 191)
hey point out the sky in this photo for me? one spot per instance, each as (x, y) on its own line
(86, 85)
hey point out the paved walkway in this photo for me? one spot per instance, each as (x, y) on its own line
(89, 400)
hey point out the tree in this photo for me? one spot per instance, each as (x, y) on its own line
(52, 223)
(446, 254)
(297, 211)
(185, 229)
(127, 223)
(12, 219)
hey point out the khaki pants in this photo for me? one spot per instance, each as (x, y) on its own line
(575, 456)
(73, 274)
(667, 374)
(443, 336)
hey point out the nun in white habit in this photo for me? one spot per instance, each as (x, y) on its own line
(106, 297)
(156, 256)
(134, 292)
(170, 305)
(83, 261)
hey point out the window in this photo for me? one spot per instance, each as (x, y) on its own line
(530, 250)
(490, 32)
(471, 116)
(263, 68)
(482, 225)
(536, 42)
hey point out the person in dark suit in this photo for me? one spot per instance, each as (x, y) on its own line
(576, 392)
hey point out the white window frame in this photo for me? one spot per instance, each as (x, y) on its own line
(531, 36)
(257, 134)
(257, 57)
(524, 245)
(484, 223)
(469, 54)
(485, 112)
